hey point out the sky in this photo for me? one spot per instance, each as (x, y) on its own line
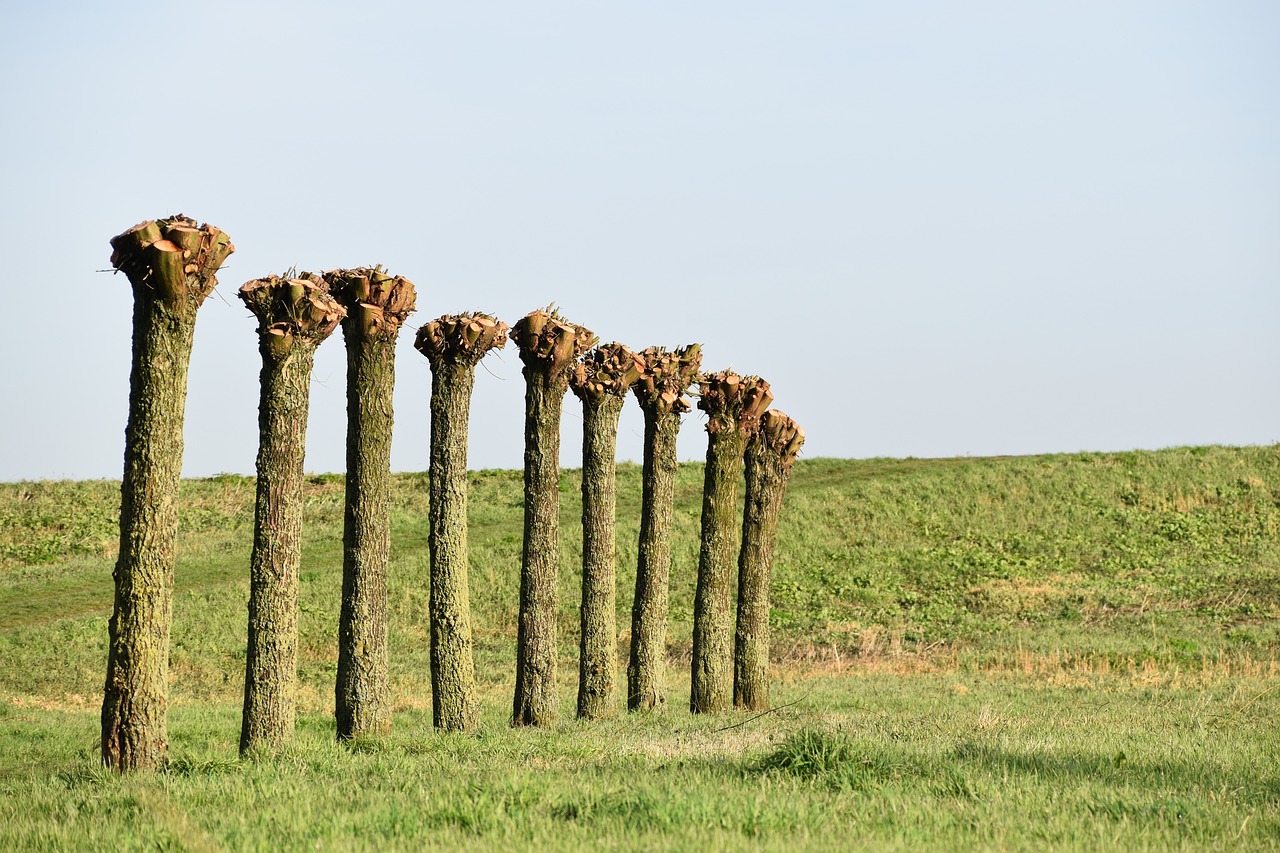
(937, 228)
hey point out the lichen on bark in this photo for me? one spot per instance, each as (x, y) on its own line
(733, 405)
(454, 345)
(660, 389)
(549, 347)
(294, 316)
(601, 381)
(770, 455)
(377, 304)
(172, 265)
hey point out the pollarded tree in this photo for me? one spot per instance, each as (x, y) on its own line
(665, 378)
(770, 454)
(549, 347)
(294, 316)
(377, 304)
(454, 344)
(601, 380)
(733, 405)
(172, 264)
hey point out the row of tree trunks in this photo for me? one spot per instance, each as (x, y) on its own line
(660, 390)
(377, 304)
(601, 380)
(549, 347)
(294, 317)
(172, 265)
(733, 405)
(454, 345)
(771, 452)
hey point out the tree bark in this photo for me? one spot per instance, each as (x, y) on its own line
(599, 639)
(134, 732)
(376, 305)
(549, 346)
(660, 389)
(171, 273)
(647, 664)
(271, 667)
(733, 413)
(769, 457)
(295, 316)
(535, 695)
(454, 344)
(601, 380)
(454, 704)
(711, 685)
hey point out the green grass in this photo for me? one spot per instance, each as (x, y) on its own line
(1073, 652)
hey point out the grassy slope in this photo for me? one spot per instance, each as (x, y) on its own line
(1075, 650)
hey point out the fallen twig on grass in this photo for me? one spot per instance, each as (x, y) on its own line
(763, 714)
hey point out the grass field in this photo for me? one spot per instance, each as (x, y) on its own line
(1072, 652)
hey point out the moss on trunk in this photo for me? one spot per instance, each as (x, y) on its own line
(377, 305)
(660, 389)
(733, 406)
(171, 264)
(549, 346)
(601, 381)
(454, 345)
(295, 316)
(770, 454)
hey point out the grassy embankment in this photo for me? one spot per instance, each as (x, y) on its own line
(1061, 651)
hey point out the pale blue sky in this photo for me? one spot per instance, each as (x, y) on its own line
(936, 228)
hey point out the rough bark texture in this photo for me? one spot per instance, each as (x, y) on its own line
(171, 264)
(454, 345)
(377, 305)
(601, 381)
(665, 378)
(549, 346)
(733, 406)
(647, 663)
(769, 457)
(295, 315)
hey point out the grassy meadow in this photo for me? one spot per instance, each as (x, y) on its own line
(1056, 652)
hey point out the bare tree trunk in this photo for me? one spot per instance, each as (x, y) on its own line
(770, 454)
(549, 346)
(171, 264)
(660, 389)
(377, 305)
(454, 345)
(601, 381)
(294, 317)
(733, 406)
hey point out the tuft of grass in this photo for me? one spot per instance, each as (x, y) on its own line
(809, 753)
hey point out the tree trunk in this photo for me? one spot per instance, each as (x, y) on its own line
(376, 304)
(171, 264)
(134, 735)
(733, 405)
(601, 380)
(712, 650)
(647, 665)
(769, 456)
(535, 696)
(599, 650)
(549, 347)
(660, 389)
(362, 690)
(453, 675)
(271, 667)
(454, 344)
(294, 317)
